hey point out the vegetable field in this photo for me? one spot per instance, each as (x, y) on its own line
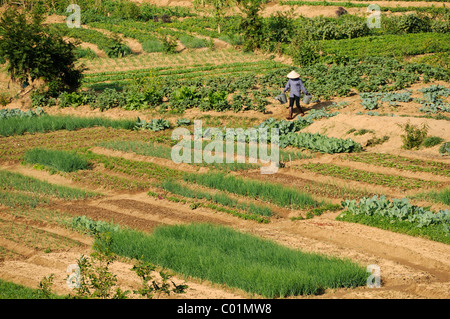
(361, 178)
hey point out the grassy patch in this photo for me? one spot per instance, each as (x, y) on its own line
(133, 168)
(274, 193)
(35, 238)
(15, 181)
(18, 199)
(400, 162)
(152, 45)
(58, 160)
(48, 123)
(363, 131)
(191, 42)
(9, 290)
(109, 181)
(442, 196)
(45, 215)
(225, 256)
(220, 198)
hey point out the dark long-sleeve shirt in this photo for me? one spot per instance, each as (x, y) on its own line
(295, 85)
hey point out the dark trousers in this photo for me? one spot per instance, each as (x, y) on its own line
(295, 99)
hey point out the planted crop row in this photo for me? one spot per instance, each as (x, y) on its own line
(182, 78)
(289, 136)
(162, 151)
(48, 123)
(274, 193)
(12, 149)
(320, 143)
(171, 70)
(389, 45)
(368, 74)
(7, 113)
(249, 210)
(197, 59)
(370, 101)
(441, 196)
(112, 47)
(15, 199)
(400, 162)
(399, 215)
(347, 173)
(222, 255)
(109, 181)
(9, 290)
(16, 181)
(432, 101)
(192, 71)
(39, 214)
(35, 238)
(146, 32)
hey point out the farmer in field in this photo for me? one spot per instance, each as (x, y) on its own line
(295, 85)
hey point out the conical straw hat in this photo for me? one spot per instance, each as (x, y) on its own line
(293, 75)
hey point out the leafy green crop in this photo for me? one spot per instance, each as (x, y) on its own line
(7, 113)
(432, 101)
(153, 125)
(399, 209)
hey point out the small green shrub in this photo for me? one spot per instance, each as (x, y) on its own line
(18, 125)
(305, 53)
(38, 98)
(412, 23)
(414, 136)
(108, 99)
(183, 122)
(4, 99)
(169, 43)
(9, 290)
(223, 255)
(377, 140)
(363, 131)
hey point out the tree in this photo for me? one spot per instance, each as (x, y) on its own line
(32, 53)
(251, 25)
(219, 8)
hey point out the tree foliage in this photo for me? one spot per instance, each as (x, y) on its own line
(32, 53)
(251, 24)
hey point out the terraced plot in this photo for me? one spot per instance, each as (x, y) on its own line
(229, 231)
